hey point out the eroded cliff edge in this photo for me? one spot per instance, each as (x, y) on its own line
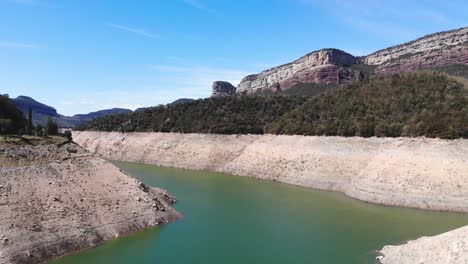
(55, 200)
(410, 172)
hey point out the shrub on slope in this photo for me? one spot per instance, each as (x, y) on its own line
(224, 115)
(409, 105)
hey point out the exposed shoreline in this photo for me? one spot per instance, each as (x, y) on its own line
(57, 200)
(408, 172)
(421, 173)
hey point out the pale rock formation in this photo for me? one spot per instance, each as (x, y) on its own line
(221, 88)
(324, 66)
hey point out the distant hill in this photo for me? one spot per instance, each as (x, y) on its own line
(41, 112)
(182, 101)
(101, 113)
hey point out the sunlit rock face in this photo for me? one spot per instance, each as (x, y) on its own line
(333, 66)
(323, 66)
(436, 50)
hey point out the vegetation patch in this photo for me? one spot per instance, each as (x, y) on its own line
(409, 105)
(220, 115)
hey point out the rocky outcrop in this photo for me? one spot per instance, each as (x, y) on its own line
(433, 51)
(327, 66)
(55, 200)
(447, 248)
(221, 88)
(426, 44)
(421, 173)
(332, 66)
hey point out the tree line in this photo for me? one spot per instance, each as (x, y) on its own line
(405, 105)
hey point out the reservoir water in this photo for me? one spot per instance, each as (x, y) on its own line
(230, 219)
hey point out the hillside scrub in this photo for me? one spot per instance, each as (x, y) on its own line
(409, 105)
(223, 115)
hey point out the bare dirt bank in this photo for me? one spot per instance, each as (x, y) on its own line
(410, 172)
(447, 248)
(55, 200)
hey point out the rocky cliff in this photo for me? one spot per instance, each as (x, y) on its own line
(221, 88)
(324, 66)
(436, 50)
(332, 66)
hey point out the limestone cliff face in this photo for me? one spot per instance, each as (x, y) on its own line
(332, 66)
(323, 66)
(436, 50)
(428, 44)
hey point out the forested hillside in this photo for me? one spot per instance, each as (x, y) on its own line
(409, 105)
(224, 115)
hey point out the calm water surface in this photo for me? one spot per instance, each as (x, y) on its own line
(231, 219)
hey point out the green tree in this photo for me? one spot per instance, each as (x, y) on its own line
(39, 130)
(8, 111)
(30, 122)
(52, 127)
(5, 126)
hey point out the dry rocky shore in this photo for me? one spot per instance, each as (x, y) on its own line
(57, 199)
(411, 172)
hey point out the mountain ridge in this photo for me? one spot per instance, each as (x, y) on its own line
(335, 66)
(41, 112)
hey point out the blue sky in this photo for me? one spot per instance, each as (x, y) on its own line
(81, 56)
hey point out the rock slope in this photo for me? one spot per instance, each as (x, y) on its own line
(410, 172)
(332, 66)
(55, 200)
(324, 66)
(221, 88)
(447, 248)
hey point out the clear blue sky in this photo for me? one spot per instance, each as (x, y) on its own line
(80, 56)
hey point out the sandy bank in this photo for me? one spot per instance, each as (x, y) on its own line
(57, 200)
(447, 248)
(420, 173)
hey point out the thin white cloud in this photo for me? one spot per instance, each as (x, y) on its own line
(10, 44)
(199, 5)
(137, 31)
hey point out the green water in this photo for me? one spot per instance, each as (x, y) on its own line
(231, 219)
